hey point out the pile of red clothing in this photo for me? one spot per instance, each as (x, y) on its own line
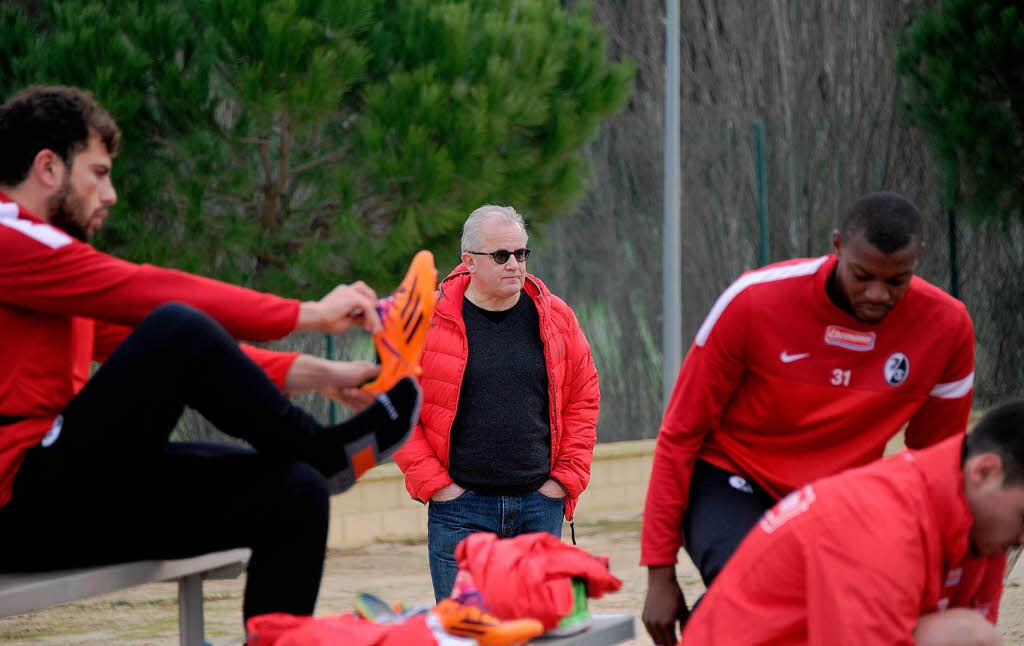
(281, 629)
(531, 575)
(526, 577)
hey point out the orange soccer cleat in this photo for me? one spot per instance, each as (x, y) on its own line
(486, 629)
(406, 318)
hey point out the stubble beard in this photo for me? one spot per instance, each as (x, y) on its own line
(65, 212)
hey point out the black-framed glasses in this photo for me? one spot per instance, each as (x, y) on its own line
(501, 255)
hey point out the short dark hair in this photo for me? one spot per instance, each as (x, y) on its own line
(888, 221)
(55, 117)
(1001, 431)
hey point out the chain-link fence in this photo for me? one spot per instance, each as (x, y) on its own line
(818, 78)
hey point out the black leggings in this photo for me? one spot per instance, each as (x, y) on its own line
(113, 489)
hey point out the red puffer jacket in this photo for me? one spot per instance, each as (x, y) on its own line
(572, 381)
(530, 575)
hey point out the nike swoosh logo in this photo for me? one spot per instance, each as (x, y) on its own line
(785, 357)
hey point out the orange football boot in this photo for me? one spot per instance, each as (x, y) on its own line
(405, 316)
(486, 629)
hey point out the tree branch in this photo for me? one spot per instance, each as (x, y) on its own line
(320, 161)
(268, 178)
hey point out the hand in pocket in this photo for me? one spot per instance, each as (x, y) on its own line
(551, 489)
(448, 493)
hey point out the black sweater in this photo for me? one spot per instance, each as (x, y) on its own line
(501, 435)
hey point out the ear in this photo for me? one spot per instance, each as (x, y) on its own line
(920, 248)
(48, 168)
(982, 469)
(470, 261)
(836, 241)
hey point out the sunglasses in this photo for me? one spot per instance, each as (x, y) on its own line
(501, 255)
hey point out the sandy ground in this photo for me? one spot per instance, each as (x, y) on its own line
(395, 571)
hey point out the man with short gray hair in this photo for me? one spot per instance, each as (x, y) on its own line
(510, 399)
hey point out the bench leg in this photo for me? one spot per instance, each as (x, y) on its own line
(190, 610)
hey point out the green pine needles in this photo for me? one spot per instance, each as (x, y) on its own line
(963, 63)
(293, 144)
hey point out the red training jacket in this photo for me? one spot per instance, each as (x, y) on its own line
(854, 559)
(783, 387)
(572, 381)
(64, 304)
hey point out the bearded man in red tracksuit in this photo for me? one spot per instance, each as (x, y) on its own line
(909, 550)
(510, 400)
(91, 452)
(801, 370)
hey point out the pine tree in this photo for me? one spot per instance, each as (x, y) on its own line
(963, 62)
(294, 144)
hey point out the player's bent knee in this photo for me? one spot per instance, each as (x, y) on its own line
(184, 330)
(173, 313)
(172, 318)
(956, 627)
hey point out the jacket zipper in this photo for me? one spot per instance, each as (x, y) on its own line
(462, 373)
(543, 313)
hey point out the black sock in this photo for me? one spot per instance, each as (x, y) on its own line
(344, 452)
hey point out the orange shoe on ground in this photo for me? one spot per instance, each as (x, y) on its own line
(488, 630)
(406, 318)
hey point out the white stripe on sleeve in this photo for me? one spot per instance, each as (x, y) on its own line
(953, 389)
(753, 278)
(44, 233)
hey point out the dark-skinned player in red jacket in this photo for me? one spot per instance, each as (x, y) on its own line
(801, 370)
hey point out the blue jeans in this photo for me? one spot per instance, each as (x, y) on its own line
(507, 516)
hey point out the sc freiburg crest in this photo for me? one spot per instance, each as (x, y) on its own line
(897, 367)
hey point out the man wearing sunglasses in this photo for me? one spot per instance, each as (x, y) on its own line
(510, 400)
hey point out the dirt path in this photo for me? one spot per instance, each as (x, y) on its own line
(148, 615)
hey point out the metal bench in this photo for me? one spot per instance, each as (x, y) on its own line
(20, 593)
(604, 630)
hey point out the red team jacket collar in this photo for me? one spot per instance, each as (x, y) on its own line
(22, 211)
(842, 317)
(453, 288)
(4, 199)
